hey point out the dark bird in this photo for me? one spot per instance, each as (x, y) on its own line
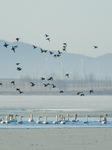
(64, 49)
(41, 50)
(65, 44)
(67, 75)
(6, 45)
(34, 46)
(59, 52)
(51, 78)
(13, 48)
(91, 91)
(13, 82)
(48, 39)
(19, 68)
(16, 46)
(42, 78)
(45, 51)
(53, 86)
(46, 35)
(58, 55)
(95, 46)
(79, 93)
(45, 85)
(55, 56)
(0, 83)
(17, 63)
(82, 94)
(17, 39)
(32, 84)
(20, 92)
(17, 89)
(51, 52)
(61, 92)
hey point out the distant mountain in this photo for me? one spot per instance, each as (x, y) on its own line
(35, 64)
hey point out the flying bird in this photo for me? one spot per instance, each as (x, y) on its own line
(13, 48)
(6, 45)
(17, 39)
(79, 93)
(61, 91)
(53, 86)
(19, 68)
(0, 83)
(17, 63)
(48, 39)
(51, 78)
(65, 44)
(34, 46)
(32, 84)
(82, 94)
(51, 52)
(95, 46)
(42, 78)
(59, 52)
(67, 75)
(46, 35)
(13, 82)
(91, 91)
(45, 85)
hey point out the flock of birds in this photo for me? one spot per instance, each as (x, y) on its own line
(9, 118)
(42, 78)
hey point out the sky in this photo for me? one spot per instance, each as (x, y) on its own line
(80, 23)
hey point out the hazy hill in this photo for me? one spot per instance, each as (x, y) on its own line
(36, 64)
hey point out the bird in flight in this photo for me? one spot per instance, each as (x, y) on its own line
(79, 93)
(51, 52)
(67, 75)
(17, 39)
(19, 68)
(13, 82)
(34, 46)
(6, 45)
(51, 78)
(46, 35)
(91, 91)
(53, 86)
(45, 85)
(17, 63)
(95, 46)
(42, 78)
(48, 39)
(0, 83)
(59, 52)
(61, 91)
(13, 48)
(32, 84)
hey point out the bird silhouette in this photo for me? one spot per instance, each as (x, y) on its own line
(0, 83)
(19, 68)
(53, 86)
(51, 52)
(32, 84)
(51, 78)
(79, 93)
(13, 82)
(20, 92)
(91, 91)
(34, 46)
(45, 85)
(17, 63)
(17, 39)
(61, 91)
(59, 52)
(41, 50)
(6, 45)
(42, 78)
(95, 46)
(67, 75)
(13, 48)
(48, 39)
(82, 94)
(17, 89)
(65, 44)
(46, 35)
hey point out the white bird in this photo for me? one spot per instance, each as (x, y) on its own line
(38, 121)
(13, 119)
(75, 118)
(56, 120)
(104, 119)
(63, 121)
(45, 122)
(7, 119)
(99, 119)
(68, 118)
(31, 118)
(3, 120)
(60, 118)
(20, 122)
(86, 119)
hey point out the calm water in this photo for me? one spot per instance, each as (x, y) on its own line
(57, 103)
(86, 103)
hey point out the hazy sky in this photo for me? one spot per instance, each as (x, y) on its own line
(80, 23)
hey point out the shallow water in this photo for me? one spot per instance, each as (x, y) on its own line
(16, 104)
